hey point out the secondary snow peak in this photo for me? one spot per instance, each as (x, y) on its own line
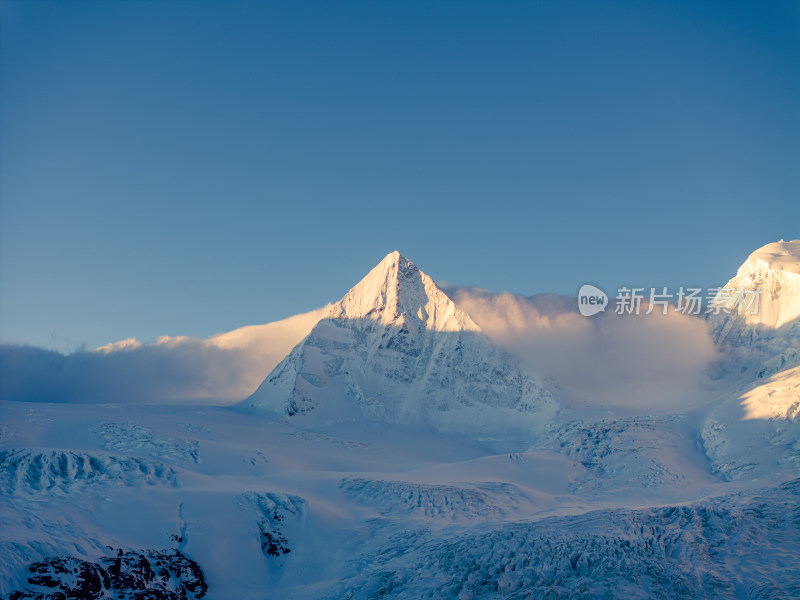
(760, 322)
(771, 276)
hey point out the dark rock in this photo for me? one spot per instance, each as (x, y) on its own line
(132, 575)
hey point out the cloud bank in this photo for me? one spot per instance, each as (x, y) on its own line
(224, 368)
(638, 361)
(634, 362)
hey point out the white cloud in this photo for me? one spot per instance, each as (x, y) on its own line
(226, 367)
(639, 361)
(126, 344)
(647, 362)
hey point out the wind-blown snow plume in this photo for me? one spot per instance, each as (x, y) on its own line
(639, 361)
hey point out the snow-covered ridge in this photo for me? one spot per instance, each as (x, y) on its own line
(58, 472)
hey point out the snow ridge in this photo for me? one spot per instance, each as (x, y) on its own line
(26, 472)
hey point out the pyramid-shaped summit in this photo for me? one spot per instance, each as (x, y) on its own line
(396, 293)
(397, 349)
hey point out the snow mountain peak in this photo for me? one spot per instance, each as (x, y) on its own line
(769, 283)
(760, 321)
(396, 349)
(396, 293)
(779, 256)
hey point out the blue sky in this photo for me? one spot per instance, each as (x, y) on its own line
(186, 168)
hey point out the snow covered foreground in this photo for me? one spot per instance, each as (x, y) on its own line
(352, 473)
(267, 510)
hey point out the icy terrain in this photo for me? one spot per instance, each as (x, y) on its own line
(395, 453)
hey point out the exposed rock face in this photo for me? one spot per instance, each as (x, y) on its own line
(144, 575)
(273, 512)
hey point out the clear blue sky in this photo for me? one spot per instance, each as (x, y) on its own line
(192, 167)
